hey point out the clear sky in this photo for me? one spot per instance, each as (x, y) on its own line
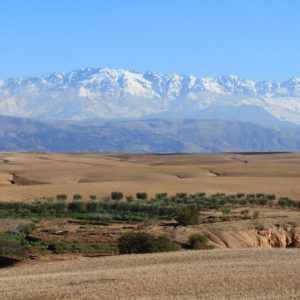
(257, 39)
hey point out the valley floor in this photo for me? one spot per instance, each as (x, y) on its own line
(212, 274)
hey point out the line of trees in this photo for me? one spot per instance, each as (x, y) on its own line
(182, 206)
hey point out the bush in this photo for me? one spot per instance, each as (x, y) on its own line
(116, 195)
(164, 244)
(129, 198)
(245, 213)
(199, 242)
(77, 197)
(141, 196)
(60, 207)
(285, 201)
(93, 197)
(181, 195)
(187, 216)
(225, 210)
(11, 249)
(76, 206)
(256, 214)
(142, 242)
(271, 197)
(136, 242)
(161, 196)
(61, 197)
(92, 206)
(26, 229)
(52, 247)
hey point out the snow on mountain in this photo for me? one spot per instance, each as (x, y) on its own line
(109, 93)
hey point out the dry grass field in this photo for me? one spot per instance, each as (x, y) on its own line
(217, 274)
(25, 176)
(237, 267)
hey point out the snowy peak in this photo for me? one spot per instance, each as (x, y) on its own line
(111, 93)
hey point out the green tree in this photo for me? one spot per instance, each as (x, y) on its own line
(187, 216)
(77, 197)
(199, 242)
(117, 195)
(143, 242)
(141, 196)
(76, 206)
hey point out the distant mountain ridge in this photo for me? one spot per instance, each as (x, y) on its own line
(121, 94)
(144, 136)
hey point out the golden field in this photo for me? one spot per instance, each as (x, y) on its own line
(212, 274)
(26, 176)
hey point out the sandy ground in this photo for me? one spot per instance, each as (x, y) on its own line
(25, 176)
(212, 274)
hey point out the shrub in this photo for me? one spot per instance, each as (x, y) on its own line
(61, 197)
(77, 197)
(50, 199)
(225, 210)
(200, 195)
(263, 201)
(26, 229)
(141, 196)
(116, 195)
(142, 242)
(256, 214)
(199, 242)
(93, 197)
(129, 198)
(187, 216)
(11, 249)
(245, 213)
(164, 244)
(52, 247)
(60, 207)
(181, 195)
(284, 201)
(92, 206)
(136, 242)
(271, 197)
(240, 195)
(76, 206)
(161, 196)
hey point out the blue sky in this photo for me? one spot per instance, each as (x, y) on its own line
(257, 39)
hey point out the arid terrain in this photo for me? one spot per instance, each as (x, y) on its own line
(216, 274)
(244, 261)
(26, 176)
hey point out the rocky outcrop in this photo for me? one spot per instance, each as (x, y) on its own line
(237, 235)
(279, 236)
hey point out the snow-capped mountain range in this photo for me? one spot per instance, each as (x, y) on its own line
(108, 93)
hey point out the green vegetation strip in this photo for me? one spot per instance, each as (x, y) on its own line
(140, 209)
(40, 246)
